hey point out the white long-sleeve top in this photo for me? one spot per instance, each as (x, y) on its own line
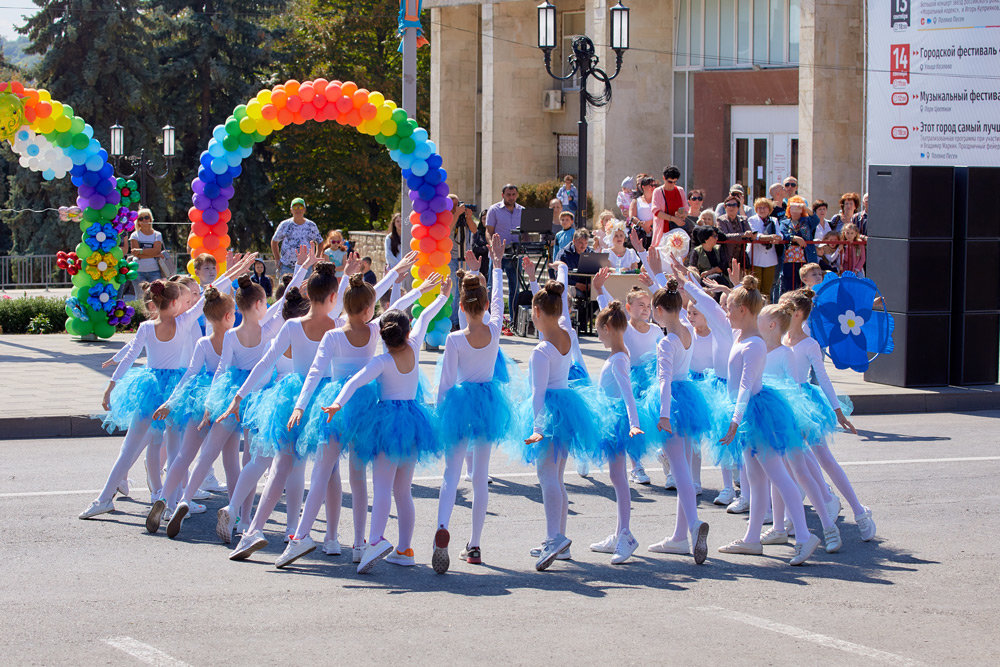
(746, 370)
(203, 357)
(393, 384)
(463, 363)
(779, 363)
(291, 335)
(703, 353)
(638, 343)
(548, 370)
(718, 323)
(807, 354)
(673, 362)
(614, 381)
(392, 259)
(565, 321)
(336, 357)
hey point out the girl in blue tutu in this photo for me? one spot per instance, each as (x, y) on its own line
(343, 352)
(773, 322)
(273, 438)
(806, 355)
(623, 439)
(676, 408)
(760, 429)
(185, 407)
(399, 431)
(566, 419)
(134, 394)
(474, 406)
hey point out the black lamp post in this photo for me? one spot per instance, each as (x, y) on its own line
(141, 167)
(583, 62)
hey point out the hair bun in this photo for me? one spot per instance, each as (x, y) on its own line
(808, 293)
(325, 269)
(244, 282)
(357, 280)
(555, 287)
(157, 287)
(750, 282)
(672, 285)
(211, 293)
(293, 296)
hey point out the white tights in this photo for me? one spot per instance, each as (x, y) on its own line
(623, 494)
(551, 468)
(676, 451)
(222, 438)
(694, 462)
(325, 485)
(242, 495)
(132, 446)
(479, 468)
(287, 473)
(838, 476)
(177, 472)
(389, 481)
(801, 474)
(758, 471)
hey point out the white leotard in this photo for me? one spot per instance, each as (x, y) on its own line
(614, 381)
(463, 363)
(746, 370)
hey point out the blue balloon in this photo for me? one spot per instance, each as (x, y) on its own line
(433, 176)
(211, 190)
(427, 192)
(223, 180)
(78, 170)
(94, 162)
(219, 165)
(215, 149)
(435, 161)
(88, 131)
(104, 158)
(106, 171)
(206, 159)
(422, 151)
(415, 182)
(91, 178)
(405, 161)
(219, 133)
(394, 153)
(407, 173)
(420, 135)
(76, 180)
(33, 150)
(233, 159)
(207, 175)
(418, 166)
(79, 158)
(234, 172)
(104, 187)
(48, 174)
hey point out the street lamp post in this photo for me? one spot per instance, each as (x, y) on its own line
(141, 166)
(583, 63)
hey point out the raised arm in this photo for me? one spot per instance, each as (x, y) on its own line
(425, 317)
(665, 376)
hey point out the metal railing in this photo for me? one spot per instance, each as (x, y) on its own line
(31, 271)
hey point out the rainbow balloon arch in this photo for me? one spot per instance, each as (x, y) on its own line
(48, 137)
(347, 104)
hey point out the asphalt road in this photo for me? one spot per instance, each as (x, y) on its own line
(924, 591)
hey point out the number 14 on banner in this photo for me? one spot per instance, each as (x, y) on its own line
(899, 65)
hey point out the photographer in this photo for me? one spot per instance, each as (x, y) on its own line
(503, 218)
(463, 228)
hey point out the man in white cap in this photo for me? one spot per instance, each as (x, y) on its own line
(737, 190)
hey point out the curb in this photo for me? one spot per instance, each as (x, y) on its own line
(933, 399)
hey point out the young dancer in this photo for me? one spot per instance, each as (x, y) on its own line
(474, 406)
(343, 352)
(612, 323)
(678, 409)
(806, 355)
(565, 420)
(399, 430)
(133, 395)
(761, 421)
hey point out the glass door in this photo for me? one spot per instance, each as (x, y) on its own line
(750, 164)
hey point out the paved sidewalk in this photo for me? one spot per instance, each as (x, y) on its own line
(53, 384)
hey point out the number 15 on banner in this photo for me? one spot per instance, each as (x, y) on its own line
(899, 65)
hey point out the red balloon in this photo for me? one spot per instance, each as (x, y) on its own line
(200, 228)
(344, 105)
(419, 231)
(225, 217)
(308, 112)
(438, 231)
(444, 218)
(414, 218)
(210, 242)
(294, 103)
(194, 215)
(428, 244)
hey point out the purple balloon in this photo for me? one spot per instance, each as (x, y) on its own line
(97, 201)
(198, 186)
(228, 192)
(114, 197)
(201, 202)
(428, 218)
(419, 205)
(83, 202)
(439, 204)
(443, 189)
(414, 195)
(220, 204)
(86, 191)
(210, 216)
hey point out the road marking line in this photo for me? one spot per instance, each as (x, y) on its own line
(813, 637)
(504, 475)
(144, 652)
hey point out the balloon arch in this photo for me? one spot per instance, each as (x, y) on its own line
(344, 102)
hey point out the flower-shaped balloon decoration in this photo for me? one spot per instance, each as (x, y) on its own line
(121, 313)
(75, 309)
(11, 115)
(844, 321)
(129, 191)
(124, 221)
(675, 243)
(70, 213)
(102, 297)
(69, 262)
(102, 267)
(127, 270)
(101, 237)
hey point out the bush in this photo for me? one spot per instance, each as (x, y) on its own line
(16, 315)
(538, 195)
(39, 324)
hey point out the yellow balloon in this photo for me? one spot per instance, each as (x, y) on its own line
(247, 125)
(264, 97)
(383, 114)
(43, 125)
(57, 110)
(445, 271)
(415, 272)
(63, 123)
(44, 95)
(190, 267)
(253, 109)
(263, 126)
(427, 299)
(222, 266)
(417, 282)
(391, 105)
(276, 124)
(376, 98)
(388, 128)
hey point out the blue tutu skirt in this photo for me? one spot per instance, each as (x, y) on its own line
(138, 394)
(769, 428)
(578, 375)
(222, 393)
(480, 413)
(691, 416)
(572, 423)
(716, 392)
(402, 431)
(318, 431)
(643, 375)
(188, 404)
(616, 439)
(271, 413)
(823, 420)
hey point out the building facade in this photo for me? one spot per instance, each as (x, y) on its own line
(731, 91)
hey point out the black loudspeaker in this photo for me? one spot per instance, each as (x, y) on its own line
(983, 213)
(979, 262)
(922, 354)
(975, 355)
(911, 202)
(913, 275)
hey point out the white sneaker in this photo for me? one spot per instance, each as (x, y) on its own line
(624, 547)
(167, 514)
(155, 515)
(195, 508)
(739, 506)
(605, 546)
(768, 518)
(224, 525)
(866, 525)
(638, 475)
(725, 497)
(789, 527)
(295, 550)
(468, 477)
(174, 526)
(249, 543)
(373, 554)
(831, 539)
(670, 484)
(537, 551)
(665, 462)
(97, 507)
(332, 547)
(404, 558)
(699, 537)
(582, 469)
(670, 547)
(550, 550)
(489, 479)
(358, 553)
(743, 548)
(213, 485)
(123, 488)
(202, 494)
(774, 536)
(803, 550)
(833, 508)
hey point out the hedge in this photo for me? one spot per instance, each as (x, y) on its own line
(16, 314)
(538, 195)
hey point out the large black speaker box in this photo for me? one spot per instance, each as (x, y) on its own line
(913, 275)
(911, 202)
(922, 352)
(975, 354)
(981, 203)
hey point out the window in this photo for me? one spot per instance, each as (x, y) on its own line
(736, 33)
(567, 155)
(683, 125)
(573, 25)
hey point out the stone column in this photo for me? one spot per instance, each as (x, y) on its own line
(831, 99)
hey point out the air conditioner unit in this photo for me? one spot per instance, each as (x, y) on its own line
(552, 100)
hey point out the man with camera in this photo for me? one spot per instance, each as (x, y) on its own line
(463, 231)
(503, 218)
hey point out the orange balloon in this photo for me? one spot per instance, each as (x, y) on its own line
(444, 218)
(415, 245)
(423, 259)
(284, 116)
(368, 111)
(438, 231)
(319, 85)
(444, 245)
(354, 118)
(414, 218)
(219, 254)
(194, 242)
(292, 87)
(307, 92)
(423, 271)
(438, 259)
(349, 88)
(269, 111)
(297, 118)
(360, 98)
(428, 245)
(333, 92)
(279, 98)
(224, 241)
(419, 231)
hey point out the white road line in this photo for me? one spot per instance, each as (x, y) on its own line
(144, 652)
(813, 637)
(505, 475)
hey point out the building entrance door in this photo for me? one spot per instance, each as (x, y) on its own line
(765, 147)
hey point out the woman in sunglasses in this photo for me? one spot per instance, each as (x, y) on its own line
(146, 245)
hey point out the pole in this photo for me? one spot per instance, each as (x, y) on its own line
(410, 106)
(581, 165)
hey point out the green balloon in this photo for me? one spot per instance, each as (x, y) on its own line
(78, 327)
(90, 215)
(81, 279)
(103, 329)
(240, 112)
(233, 127)
(131, 185)
(407, 145)
(416, 310)
(392, 143)
(258, 137)
(68, 111)
(399, 116)
(380, 138)
(83, 251)
(64, 140)
(80, 141)
(230, 143)
(77, 125)
(246, 140)
(108, 212)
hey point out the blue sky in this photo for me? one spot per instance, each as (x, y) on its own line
(10, 16)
